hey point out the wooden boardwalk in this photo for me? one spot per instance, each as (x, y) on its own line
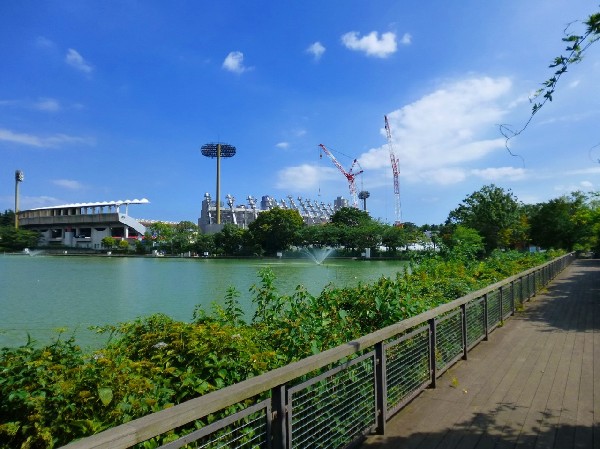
(534, 384)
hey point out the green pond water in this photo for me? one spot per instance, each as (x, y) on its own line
(40, 294)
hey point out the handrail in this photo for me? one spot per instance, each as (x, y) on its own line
(144, 428)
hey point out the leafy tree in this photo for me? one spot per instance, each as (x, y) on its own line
(7, 218)
(160, 234)
(205, 243)
(350, 216)
(567, 223)
(12, 239)
(464, 243)
(230, 240)
(276, 229)
(184, 236)
(108, 242)
(492, 212)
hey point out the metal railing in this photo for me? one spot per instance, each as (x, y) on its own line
(335, 398)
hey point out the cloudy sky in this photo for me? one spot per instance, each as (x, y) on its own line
(112, 100)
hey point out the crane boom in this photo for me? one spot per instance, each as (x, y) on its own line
(395, 172)
(350, 175)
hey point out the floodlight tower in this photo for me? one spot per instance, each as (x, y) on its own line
(363, 195)
(218, 150)
(19, 177)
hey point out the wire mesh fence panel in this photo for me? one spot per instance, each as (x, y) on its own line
(518, 292)
(538, 280)
(449, 340)
(247, 429)
(475, 321)
(528, 284)
(493, 309)
(335, 408)
(407, 367)
(507, 300)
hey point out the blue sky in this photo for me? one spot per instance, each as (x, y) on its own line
(112, 100)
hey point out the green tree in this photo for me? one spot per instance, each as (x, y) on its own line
(161, 235)
(184, 236)
(7, 218)
(492, 212)
(464, 243)
(205, 244)
(567, 223)
(12, 239)
(276, 229)
(230, 240)
(108, 242)
(350, 216)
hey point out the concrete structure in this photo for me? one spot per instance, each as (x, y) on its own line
(312, 211)
(83, 225)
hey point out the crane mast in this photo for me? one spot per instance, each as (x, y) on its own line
(395, 172)
(350, 176)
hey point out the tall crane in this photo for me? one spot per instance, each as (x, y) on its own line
(395, 171)
(350, 175)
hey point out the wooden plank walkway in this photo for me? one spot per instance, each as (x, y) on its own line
(534, 384)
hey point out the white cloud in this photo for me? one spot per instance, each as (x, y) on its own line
(303, 177)
(443, 176)
(57, 140)
(283, 145)
(500, 173)
(234, 62)
(316, 50)
(47, 105)
(34, 202)
(75, 60)
(406, 39)
(44, 42)
(436, 134)
(371, 44)
(68, 184)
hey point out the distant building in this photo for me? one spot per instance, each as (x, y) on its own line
(83, 225)
(312, 211)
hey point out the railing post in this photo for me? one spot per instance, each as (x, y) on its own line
(432, 351)
(380, 388)
(485, 317)
(465, 340)
(279, 425)
(512, 297)
(500, 294)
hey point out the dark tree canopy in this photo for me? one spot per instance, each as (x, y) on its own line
(276, 229)
(350, 216)
(491, 211)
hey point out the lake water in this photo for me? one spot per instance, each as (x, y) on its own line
(39, 294)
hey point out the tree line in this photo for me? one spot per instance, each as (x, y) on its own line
(488, 219)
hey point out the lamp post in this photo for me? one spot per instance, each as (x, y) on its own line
(19, 177)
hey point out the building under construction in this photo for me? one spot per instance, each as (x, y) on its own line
(312, 211)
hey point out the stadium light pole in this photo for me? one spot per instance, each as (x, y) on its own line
(19, 177)
(218, 150)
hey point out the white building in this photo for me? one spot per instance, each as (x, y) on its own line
(83, 225)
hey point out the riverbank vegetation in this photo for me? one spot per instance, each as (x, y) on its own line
(53, 394)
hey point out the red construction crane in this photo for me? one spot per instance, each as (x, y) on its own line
(395, 171)
(350, 176)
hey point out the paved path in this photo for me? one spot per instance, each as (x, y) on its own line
(534, 384)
